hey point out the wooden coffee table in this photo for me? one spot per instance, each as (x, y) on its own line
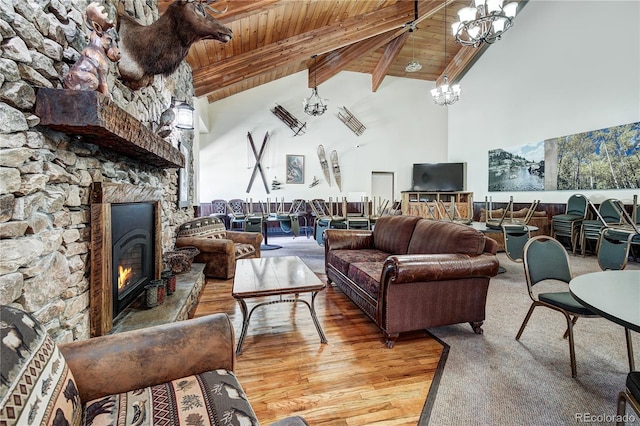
(274, 276)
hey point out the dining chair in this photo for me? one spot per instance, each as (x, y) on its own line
(546, 260)
(515, 238)
(237, 212)
(219, 210)
(568, 224)
(630, 395)
(613, 248)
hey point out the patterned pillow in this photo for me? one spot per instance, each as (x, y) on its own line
(36, 385)
(214, 396)
(209, 227)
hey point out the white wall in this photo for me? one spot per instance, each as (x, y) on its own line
(403, 124)
(565, 67)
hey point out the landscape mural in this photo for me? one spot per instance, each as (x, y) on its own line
(599, 159)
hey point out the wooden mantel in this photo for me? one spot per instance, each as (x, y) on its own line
(102, 122)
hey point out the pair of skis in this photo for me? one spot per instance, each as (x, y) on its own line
(334, 166)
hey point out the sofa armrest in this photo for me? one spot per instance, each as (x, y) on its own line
(438, 267)
(137, 359)
(207, 245)
(253, 238)
(347, 239)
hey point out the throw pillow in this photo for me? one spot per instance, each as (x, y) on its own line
(36, 385)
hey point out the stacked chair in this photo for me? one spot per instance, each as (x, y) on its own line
(324, 218)
(290, 220)
(569, 223)
(606, 215)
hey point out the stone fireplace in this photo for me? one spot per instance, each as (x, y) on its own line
(109, 201)
(67, 159)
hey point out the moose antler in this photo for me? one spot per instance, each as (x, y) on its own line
(97, 19)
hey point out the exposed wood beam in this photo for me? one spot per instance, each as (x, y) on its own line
(390, 53)
(334, 62)
(301, 47)
(236, 9)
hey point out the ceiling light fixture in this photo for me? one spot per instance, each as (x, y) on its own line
(314, 104)
(414, 65)
(485, 22)
(445, 94)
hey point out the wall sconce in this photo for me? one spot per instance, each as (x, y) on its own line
(184, 115)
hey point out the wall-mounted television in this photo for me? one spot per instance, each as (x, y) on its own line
(442, 177)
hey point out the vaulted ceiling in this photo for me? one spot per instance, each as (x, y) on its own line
(276, 38)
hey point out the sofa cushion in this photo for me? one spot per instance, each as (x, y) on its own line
(192, 400)
(367, 276)
(341, 259)
(36, 385)
(393, 233)
(433, 236)
(211, 227)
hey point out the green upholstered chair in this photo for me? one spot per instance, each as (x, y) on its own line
(515, 237)
(630, 395)
(545, 259)
(613, 248)
(568, 224)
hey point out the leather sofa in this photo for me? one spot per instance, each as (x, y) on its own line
(411, 273)
(172, 374)
(219, 248)
(539, 220)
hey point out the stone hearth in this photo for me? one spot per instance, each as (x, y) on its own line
(175, 308)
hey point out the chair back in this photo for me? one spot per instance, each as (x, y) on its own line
(515, 238)
(219, 207)
(607, 212)
(577, 205)
(237, 207)
(545, 259)
(613, 248)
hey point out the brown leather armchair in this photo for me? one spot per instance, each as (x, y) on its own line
(219, 248)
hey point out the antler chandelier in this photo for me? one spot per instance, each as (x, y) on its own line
(445, 94)
(314, 104)
(486, 21)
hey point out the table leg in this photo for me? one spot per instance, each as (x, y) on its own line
(312, 308)
(632, 363)
(245, 325)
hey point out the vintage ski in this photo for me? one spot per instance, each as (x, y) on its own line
(324, 164)
(336, 169)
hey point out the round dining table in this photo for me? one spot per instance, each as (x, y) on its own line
(615, 295)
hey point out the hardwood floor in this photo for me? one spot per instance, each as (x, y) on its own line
(352, 380)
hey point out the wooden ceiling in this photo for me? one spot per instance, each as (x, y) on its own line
(276, 38)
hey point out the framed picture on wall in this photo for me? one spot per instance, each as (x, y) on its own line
(295, 168)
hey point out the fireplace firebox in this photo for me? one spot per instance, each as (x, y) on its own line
(132, 236)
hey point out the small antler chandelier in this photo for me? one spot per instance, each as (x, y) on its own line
(445, 94)
(314, 104)
(486, 21)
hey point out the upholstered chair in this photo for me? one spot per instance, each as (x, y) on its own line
(219, 247)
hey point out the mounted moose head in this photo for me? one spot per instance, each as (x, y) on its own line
(159, 48)
(90, 72)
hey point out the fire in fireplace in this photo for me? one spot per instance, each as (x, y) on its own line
(132, 233)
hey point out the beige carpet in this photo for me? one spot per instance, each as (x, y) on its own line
(492, 379)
